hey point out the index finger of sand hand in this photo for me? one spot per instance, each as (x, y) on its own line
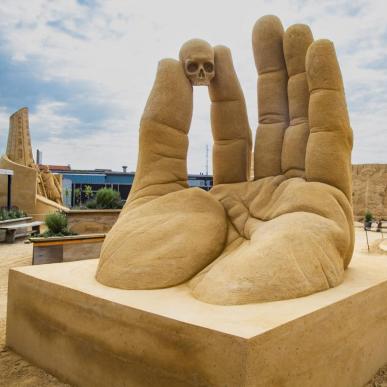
(328, 152)
(230, 126)
(272, 95)
(162, 159)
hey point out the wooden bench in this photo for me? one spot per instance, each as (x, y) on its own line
(11, 230)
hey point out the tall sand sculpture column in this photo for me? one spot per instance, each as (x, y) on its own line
(19, 148)
(32, 192)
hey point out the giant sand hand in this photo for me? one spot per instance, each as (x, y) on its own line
(289, 232)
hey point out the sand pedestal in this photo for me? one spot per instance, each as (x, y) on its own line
(64, 321)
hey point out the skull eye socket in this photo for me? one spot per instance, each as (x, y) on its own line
(209, 67)
(192, 67)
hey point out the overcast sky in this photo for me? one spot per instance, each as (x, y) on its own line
(85, 69)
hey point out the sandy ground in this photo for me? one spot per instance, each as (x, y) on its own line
(15, 371)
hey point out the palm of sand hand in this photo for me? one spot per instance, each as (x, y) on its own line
(286, 234)
(281, 243)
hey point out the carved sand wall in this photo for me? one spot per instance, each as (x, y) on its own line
(370, 189)
(92, 221)
(33, 191)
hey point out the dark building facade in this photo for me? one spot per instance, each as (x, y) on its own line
(75, 181)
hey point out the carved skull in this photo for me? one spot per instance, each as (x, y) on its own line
(197, 56)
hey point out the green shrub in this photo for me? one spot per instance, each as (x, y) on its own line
(3, 214)
(92, 204)
(107, 198)
(13, 213)
(368, 216)
(56, 223)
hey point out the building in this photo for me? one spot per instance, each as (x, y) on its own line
(75, 181)
(369, 185)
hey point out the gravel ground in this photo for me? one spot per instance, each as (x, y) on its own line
(17, 372)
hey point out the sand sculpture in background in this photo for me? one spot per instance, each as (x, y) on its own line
(288, 232)
(19, 148)
(370, 190)
(33, 191)
(52, 185)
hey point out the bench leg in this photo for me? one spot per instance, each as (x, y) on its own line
(36, 229)
(10, 236)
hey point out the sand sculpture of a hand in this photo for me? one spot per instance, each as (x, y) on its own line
(287, 233)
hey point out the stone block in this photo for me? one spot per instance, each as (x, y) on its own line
(61, 319)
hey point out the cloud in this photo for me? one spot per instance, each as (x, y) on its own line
(93, 64)
(50, 113)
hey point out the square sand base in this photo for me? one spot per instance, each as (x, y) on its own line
(63, 320)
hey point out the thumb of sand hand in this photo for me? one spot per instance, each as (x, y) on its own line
(166, 232)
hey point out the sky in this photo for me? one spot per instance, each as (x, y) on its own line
(85, 69)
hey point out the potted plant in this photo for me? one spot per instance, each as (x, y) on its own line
(56, 223)
(13, 213)
(13, 216)
(100, 214)
(368, 217)
(59, 244)
(106, 198)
